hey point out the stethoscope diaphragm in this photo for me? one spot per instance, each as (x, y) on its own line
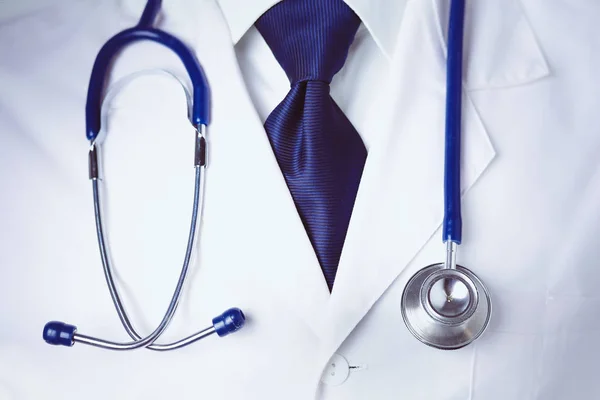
(446, 308)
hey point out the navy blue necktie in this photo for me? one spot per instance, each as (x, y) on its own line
(318, 150)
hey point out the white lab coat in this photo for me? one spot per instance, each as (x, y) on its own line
(531, 210)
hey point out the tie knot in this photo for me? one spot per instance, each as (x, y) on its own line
(309, 38)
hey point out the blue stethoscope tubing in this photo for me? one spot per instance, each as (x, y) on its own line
(233, 319)
(144, 31)
(452, 225)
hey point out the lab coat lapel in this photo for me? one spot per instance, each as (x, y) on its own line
(399, 207)
(248, 205)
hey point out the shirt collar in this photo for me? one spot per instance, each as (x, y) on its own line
(382, 18)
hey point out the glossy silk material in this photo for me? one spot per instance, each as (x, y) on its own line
(318, 150)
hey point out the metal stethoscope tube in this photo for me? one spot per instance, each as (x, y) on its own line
(230, 321)
(139, 341)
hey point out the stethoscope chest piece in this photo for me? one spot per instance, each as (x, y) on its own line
(446, 308)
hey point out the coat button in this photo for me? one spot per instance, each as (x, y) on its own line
(336, 371)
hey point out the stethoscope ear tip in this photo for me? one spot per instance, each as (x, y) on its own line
(230, 321)
(59, 334)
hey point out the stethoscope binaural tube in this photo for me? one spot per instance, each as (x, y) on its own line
(59, 333)
(446, 305)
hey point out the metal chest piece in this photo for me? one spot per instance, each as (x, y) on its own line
(446, 308)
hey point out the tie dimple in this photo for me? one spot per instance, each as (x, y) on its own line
(318, 150)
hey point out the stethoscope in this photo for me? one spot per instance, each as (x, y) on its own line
(443, 305)
(233, 319)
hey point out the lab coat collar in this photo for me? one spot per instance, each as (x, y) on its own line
(381, 18)
(501, 49)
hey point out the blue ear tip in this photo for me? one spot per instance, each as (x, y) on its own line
(230, 321)
(59, 333)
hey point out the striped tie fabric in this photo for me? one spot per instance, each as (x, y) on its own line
(318, 150)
